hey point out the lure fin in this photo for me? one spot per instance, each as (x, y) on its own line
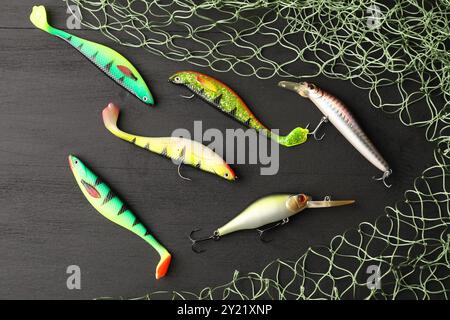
(38, 17)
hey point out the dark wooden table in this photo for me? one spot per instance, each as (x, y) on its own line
(51, 100)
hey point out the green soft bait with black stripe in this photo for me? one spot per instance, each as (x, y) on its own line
(103, 199)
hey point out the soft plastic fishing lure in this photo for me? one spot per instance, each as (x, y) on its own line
(109, 61)
(338, 114)
(182, 150)
(226, 100)
(271, 209)
(111, 207)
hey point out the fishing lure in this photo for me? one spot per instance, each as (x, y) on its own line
(111, 207)
(268, 210)
(338, 114)
(182, 150)
(226, 100)
(109, 61)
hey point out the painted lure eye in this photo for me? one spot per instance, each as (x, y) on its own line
(145, 99)
(226, 175)
(177, 79)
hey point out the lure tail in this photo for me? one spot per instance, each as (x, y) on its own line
(294, 138)
(39, 18)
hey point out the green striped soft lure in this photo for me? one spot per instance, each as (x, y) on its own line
(179, 149)
(111, 207)
(226, 100)
(274, 209)
(109, 61)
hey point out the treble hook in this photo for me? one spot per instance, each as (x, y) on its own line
(214, 237)
(179, 173)
(187, 97)
(383, 178)
(262, 231)
(323, 120)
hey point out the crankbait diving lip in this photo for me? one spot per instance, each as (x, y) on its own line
(69, 158)
(171, 78)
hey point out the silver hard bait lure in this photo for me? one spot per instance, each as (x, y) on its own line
(338, 114)
(274, 209)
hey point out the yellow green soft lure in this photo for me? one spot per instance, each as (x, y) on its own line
(111, 207)
(181, 150)
(116, 66)
(226, 100)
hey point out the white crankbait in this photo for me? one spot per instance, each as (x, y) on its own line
(338, 114)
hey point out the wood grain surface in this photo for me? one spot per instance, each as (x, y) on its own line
(51, 100)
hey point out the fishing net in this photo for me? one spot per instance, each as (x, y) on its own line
(400, 46)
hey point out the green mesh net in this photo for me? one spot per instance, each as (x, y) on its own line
(401, 46)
